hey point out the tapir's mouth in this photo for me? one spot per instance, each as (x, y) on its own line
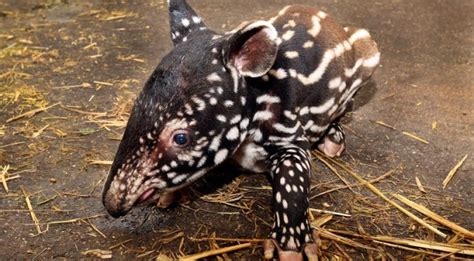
(147, 197)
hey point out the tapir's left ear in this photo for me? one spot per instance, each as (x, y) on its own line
(252, 49)
(183, 21)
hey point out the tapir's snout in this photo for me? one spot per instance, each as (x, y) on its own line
(123, 191)
(112, 199)
(112, 204)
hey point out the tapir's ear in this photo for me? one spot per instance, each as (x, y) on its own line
(183, 21)
(252, 49)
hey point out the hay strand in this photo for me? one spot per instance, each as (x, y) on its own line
(381, 123)
(413, 136)
(215, 252)
(434, 216)
(329, 235)
(32, 212)
(224, 239)
(3, 177)
(453, 171)
(419, 185)
(450, 248)
(329, 212)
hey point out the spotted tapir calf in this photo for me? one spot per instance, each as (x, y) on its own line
(264, 94)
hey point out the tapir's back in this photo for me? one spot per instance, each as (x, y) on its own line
(319, 67)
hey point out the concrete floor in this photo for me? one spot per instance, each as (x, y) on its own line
(425, 86)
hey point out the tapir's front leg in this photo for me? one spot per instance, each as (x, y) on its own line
(291, 233)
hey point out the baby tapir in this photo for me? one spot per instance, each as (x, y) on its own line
(263, 94)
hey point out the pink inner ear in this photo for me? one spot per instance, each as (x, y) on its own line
(257, 55)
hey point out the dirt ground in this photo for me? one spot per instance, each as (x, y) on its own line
(85, 61)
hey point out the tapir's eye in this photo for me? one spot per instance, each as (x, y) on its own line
(181, 138)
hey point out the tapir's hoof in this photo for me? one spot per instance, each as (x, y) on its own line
(166, 199)
(311, 251)
(330, 148)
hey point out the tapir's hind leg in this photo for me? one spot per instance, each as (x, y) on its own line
(333, 143)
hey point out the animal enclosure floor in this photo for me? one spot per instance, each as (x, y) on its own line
(69, 71)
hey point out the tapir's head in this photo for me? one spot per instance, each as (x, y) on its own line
(191, 115)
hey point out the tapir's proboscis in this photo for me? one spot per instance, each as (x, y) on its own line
(263, 95)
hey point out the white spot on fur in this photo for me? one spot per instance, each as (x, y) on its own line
(323, 107)
(314, 31)
(235, 120)
(342, 86)
(257, 136)
(318, 129)
(308, 44)
(355, 84)
(215, 143)
(212, 101)
(228, 103)
(358, 35)
(244, 124)
(185, 22)
(201, 105)
(220, 156)
(322, 14)
(179, 178)
(279, 74)
(293, 73)
(304, 111)
(291, 23)
(278, 197)
(221, 118)
(233, 134)
(214, 77)
(201, 162)
(269, 99)
(282, 128)
(372, 61)
(290, 115)
(262, 116)
(295, 188)
(288, 35)
(197, 19)
(335, 83)
(291, 54)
